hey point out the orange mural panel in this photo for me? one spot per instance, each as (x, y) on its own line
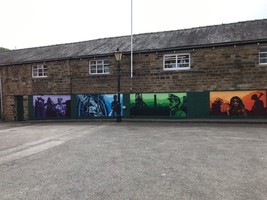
(238, 103)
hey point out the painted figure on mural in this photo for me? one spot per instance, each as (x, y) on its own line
(92, 105)
(258, 106)
(216, 107)
(68, 108)
(220, 108)
(39, 107)
(93, 108)
(114, 106)
(140, 107)
(139, 103)
(60, 108)
(50, 108)
(237, 108)
(174, 105)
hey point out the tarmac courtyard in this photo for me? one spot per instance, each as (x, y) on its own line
(133, 160)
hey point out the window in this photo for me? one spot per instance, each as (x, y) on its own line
(176, 62)
(39, 71)
(99, 67)
(263, 55)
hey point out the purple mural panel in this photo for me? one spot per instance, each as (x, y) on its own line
(51, 106)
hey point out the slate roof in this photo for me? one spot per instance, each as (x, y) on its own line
(224, 34)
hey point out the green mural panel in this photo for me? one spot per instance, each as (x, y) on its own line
(172, 105)
(126, 106)
(73, 107)
(30, 103)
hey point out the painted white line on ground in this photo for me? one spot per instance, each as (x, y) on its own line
(29, 152)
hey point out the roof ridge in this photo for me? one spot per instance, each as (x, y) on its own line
(207, 26)
(67, 43)
(138, 34)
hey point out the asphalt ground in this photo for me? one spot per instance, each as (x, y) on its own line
(133, 160)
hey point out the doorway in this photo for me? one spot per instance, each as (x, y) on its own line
(20, 109)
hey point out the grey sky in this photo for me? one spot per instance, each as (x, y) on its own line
(31, 23)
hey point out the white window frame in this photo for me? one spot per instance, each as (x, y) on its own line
(39, 71)
(174, 62)
(263, 56)
(99, 67)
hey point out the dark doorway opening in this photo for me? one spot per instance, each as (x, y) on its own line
(20, 110)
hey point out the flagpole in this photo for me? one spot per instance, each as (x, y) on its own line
(131, 38)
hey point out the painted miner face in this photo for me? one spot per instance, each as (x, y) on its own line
(174, 101)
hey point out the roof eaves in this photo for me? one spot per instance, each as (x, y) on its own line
(202, 46)
(55, 59)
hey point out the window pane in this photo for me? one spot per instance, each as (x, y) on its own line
(106, 69)
(263, 60)
(183, 61)
(93, 67)
(92, 62)
(34, 73)
(170, 65)
(98, 67)
(263, 50)
(170, 61)
(263, 55)
(99, 71)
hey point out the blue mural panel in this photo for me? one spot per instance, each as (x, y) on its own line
(98, 105)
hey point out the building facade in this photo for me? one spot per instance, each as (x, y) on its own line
(207, 72)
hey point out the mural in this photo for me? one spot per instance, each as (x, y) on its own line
(51, 106)
(98, 105)
(238, 103)
(159, 104)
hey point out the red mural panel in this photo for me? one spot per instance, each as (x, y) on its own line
(238, 103)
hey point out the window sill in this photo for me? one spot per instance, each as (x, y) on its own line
(261, 65)
(99, 74)
(176, 70)
(36, 77)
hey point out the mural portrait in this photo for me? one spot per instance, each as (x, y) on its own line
(238, 103)
(159, 104)
(51, 106)
(98, 105)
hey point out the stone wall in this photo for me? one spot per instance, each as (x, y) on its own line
(221, 68)
(212, 69)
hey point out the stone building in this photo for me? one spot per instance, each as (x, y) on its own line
(215, 71)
